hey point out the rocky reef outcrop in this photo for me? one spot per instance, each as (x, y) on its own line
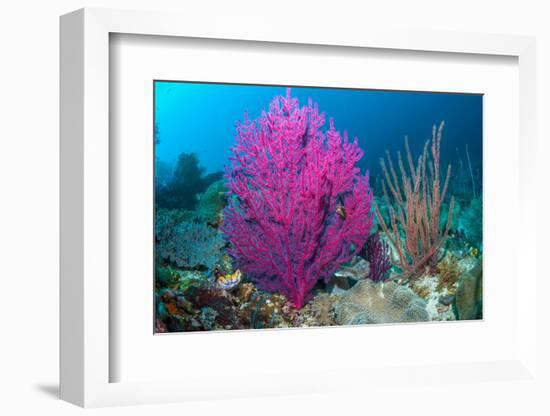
(469, 294)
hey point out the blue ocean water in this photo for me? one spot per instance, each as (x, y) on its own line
(200, 118)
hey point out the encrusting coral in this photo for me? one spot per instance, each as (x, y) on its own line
(298, 205)
(415, 211)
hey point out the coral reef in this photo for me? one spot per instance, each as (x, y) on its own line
(471, 222)
(203, 306)
(299, 206)
(455, 215)
(211, 204)
(415, 211)
(376, 303)
(221, 312)
(286, 237)
(376, 251)
(245, 292)
(438, 298)
(196, 303)
(356, 269)
(449, 271)
(187, 244)
(188, 278)
(163, 174)
(208, 317)
(165, 277)
(267, 310)
(318, 312)
(187, 180)
(172, 217)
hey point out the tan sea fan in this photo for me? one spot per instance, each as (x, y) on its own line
(414, 204)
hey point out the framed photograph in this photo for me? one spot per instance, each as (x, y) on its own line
(292, 212)
(279, 221)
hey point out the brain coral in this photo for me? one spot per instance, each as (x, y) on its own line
(377, 303)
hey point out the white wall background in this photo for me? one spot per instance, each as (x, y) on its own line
(29, 56)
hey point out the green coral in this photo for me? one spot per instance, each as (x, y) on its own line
(211, 203)
(166, 276)
(188, 278)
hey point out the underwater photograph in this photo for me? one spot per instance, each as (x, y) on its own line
(294, 207)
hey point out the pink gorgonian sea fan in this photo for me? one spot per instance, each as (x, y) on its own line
(298, 204)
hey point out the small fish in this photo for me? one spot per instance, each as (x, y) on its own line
(474, 252)
(228, 281)
(341, 211)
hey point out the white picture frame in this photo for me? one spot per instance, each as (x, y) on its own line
(86, 356)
